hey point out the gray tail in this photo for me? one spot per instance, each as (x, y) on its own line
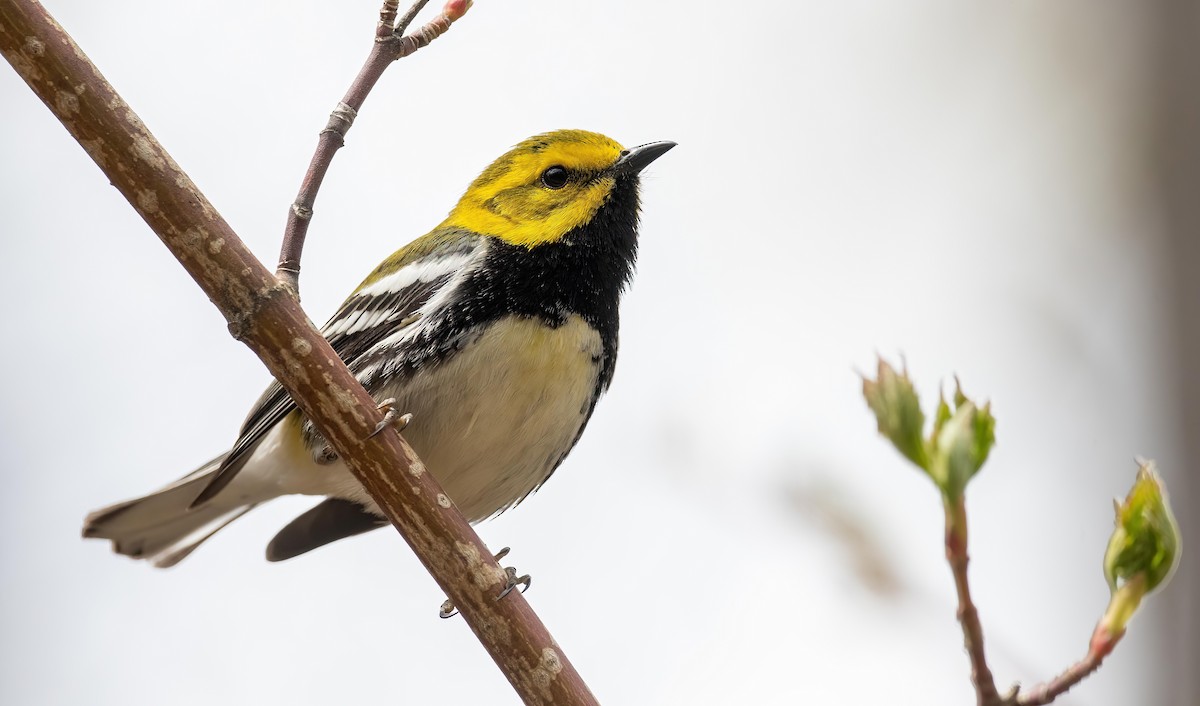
(160, 527)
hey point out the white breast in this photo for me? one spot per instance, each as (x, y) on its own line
(490, 423)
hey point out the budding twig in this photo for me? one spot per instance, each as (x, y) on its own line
(391, 43)
(1141, 554)
(1102, 644)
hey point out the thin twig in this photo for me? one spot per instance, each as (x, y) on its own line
(273, 325)
(1045, 693)
(390, 44)
(968, 616)
(399, 27)
(1102, 644)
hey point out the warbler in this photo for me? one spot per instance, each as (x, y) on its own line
(497, 331)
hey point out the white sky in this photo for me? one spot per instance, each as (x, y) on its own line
(963, 183)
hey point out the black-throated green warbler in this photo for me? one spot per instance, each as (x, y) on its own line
(497, 331)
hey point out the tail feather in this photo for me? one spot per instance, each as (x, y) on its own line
(161, 527)
(180, 551)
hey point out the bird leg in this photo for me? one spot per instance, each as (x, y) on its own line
(511, 581)
(324, 455)
(391, 417)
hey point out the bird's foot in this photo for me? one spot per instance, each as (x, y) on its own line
(391, 417)
(511, 581)
(325, 455)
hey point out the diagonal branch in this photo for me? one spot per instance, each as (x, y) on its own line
(1103, 642)
(263, 315)
(390, 45)
(1051, 690)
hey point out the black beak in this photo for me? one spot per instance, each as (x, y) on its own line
(635, 160)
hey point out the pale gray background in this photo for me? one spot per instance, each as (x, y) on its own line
(975, 185)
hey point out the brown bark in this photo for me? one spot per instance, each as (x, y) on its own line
(263, 315)
(390, 45)
(968, 615)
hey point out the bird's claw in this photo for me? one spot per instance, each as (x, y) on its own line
(325, 455)
(391, 417)
(511, 581)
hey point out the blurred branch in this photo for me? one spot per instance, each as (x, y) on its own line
(824, 506)
(1046, 693)
(390, 45)
(1141, 555)
(263, 315)
(968, 614)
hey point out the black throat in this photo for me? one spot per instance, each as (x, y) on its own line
(583, 273)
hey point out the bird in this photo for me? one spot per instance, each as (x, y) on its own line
(496, 331)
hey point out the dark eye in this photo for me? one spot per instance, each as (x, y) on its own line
(555, 177)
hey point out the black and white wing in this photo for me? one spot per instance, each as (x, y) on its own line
(398, 294)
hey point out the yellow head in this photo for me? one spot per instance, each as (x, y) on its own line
(545, 187)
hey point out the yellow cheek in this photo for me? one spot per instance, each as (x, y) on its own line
(535, 217)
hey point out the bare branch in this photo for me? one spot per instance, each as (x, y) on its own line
(1048, 692)
(390, 44)
(262, 315)
(409, 16)
(1104, 640)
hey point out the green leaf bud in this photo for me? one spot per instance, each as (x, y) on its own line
(1143, 550)
(898, 412)
(961, 445)
(1146, 538)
